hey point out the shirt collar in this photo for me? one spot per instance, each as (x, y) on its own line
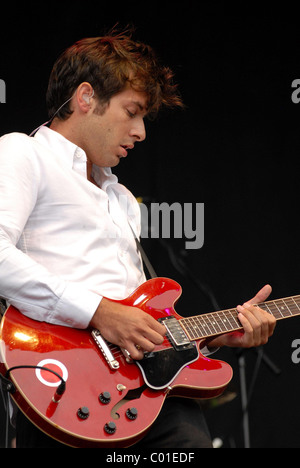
(74, 156)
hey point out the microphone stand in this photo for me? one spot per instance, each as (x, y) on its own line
(246, 396)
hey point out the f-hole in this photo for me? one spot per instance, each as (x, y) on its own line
(134, 394)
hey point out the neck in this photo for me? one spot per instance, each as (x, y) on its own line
(226, 321)
(89, 168)
(68, 129)
(70, 133)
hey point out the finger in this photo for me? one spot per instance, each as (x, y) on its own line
(141, 343)
(261, 322)
(262, 319)
(267, 320)
(262, 295)
(153, 331)
(157, 327)
(135, 352)
(252, 327)
(153, 337)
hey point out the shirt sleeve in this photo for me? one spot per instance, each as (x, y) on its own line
(24, 283)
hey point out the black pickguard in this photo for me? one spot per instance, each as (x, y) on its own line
(161, 367)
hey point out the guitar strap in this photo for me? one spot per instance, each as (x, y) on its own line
(146, 260)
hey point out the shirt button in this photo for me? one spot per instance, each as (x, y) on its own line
(78, 153)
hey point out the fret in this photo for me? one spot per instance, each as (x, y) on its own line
(222, 322)
(291, 304)
(282, 308)
(212, 324)
(193, 327)
(295, 303)
(207, 325)
(229, 324)
(197, 328)
(233, 319)
(202, 327)
(188, 329)
(265, 307)
(192, 330)
(285, 308)
(272, 309)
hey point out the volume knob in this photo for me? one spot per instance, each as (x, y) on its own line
(132, 413)
(83, 412)
(110, 428)
(105, 398)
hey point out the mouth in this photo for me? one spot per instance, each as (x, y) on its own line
(125, 149)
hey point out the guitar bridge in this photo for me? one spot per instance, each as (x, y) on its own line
(102, 345)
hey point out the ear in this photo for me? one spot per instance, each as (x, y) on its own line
(84, 94)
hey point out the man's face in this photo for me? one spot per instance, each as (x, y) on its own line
(107, 138)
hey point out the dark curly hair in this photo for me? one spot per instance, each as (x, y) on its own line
(109, 64)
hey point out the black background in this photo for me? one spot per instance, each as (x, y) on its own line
(235, 148)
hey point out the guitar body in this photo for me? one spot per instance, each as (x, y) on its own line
(131, 396)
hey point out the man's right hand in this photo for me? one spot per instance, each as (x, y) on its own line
(128, 327)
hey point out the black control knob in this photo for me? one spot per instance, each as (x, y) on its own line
(110, 428)
(132, 413)
(83, 412)
(105, 398)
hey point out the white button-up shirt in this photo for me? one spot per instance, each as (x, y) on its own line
(64, 242)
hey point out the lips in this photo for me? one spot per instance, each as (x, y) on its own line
(124, 149)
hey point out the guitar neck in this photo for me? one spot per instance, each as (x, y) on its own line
(226, 321)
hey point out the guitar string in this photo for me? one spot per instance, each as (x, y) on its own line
(215, 324)
(225, 321)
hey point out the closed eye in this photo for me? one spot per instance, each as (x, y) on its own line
(131, 114)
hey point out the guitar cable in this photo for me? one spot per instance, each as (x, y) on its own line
(60, 389)
(8, 387)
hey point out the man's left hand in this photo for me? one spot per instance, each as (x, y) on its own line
(258, 325)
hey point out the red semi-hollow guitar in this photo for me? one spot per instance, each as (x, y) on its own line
(85, 392)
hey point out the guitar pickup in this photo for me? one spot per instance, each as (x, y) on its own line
(103, 346)
(175, 333)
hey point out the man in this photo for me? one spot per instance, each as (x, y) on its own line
(66, 241)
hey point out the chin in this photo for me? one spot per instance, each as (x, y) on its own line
(115, 163)
(112, 161)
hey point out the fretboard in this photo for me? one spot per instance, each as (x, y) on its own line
(225, 321)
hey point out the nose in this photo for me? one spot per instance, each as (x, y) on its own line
(138, 131)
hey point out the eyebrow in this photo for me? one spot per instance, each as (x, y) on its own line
(139, 105)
